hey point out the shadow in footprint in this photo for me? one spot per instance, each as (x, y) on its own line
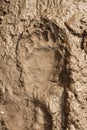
(48, 124)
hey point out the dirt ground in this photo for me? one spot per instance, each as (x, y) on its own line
(43, 65)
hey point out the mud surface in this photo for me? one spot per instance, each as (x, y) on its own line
(43, 68)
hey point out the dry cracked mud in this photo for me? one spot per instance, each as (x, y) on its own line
(43, 65)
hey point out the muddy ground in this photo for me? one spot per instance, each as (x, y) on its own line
(43, 65)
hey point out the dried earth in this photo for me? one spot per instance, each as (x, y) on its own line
(43, 65)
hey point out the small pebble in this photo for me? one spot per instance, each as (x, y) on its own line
(2, 112)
